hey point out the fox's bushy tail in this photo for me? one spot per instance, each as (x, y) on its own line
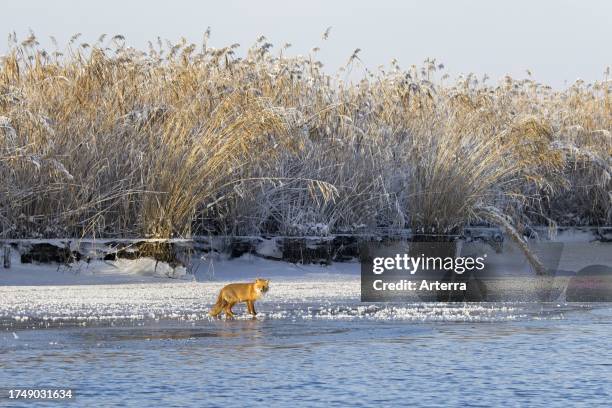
(217, 307)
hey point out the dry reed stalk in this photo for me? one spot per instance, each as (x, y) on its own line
(104, 140)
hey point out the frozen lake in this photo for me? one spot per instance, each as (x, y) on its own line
(133, 340)
(316, 353)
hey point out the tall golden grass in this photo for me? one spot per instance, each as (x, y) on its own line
(104, 140)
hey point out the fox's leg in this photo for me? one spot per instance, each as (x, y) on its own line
(251, 307)
(228, 309)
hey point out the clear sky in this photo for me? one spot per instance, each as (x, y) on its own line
(558, 40)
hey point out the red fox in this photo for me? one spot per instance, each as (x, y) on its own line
(237, 293)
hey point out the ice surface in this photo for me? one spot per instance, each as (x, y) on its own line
(111, 292)
(297, 292)
(328, 298)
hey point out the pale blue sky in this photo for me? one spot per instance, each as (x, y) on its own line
(558, 40)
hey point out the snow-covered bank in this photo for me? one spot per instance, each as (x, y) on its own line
(570, 252)
(326, 249)
(98, 272)
(214, 267)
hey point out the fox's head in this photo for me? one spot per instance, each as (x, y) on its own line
(262, 285)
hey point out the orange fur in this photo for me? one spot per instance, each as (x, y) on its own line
(237, 293)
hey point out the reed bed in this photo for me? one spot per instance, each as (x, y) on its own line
(103, 140)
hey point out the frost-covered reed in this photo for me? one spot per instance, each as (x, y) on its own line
(104, 140)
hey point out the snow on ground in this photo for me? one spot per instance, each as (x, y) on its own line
(130, 291)
(109, 291)
(97, 272)
(147, 270)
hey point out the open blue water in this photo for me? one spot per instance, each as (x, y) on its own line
(545, 358)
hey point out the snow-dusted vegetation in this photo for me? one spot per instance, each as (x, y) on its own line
(103, 140)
